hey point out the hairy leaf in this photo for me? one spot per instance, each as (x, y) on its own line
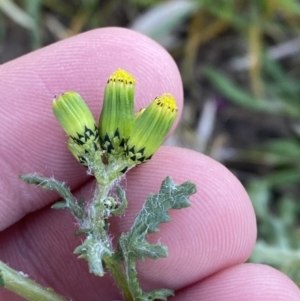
(134, 245)
(64, 191)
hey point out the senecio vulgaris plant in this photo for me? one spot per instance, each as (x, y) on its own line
(122, 140)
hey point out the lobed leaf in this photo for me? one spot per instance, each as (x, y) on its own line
(134, 245)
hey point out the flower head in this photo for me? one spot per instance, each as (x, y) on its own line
(125, 138)
(151, 128)
(117, 115)
(78, 122)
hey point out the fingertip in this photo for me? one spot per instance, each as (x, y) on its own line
(84, 62)
(34, 141)
(247, 282)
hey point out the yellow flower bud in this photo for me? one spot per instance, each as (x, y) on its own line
(78, 122)
(117, 115)
(151, 128)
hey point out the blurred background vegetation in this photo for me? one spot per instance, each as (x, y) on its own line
(240, 64)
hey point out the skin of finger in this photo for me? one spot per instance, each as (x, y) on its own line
(32, 139)
(216, 232)
(247, 282)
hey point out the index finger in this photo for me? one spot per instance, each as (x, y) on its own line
(32, 140)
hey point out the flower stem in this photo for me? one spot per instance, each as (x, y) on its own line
(24, 287)
(116, 271)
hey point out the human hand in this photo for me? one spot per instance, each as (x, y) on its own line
(208, 243)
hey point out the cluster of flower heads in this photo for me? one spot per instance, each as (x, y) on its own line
(122, 133)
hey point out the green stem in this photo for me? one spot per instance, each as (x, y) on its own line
(24, 287)
(115, 269)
